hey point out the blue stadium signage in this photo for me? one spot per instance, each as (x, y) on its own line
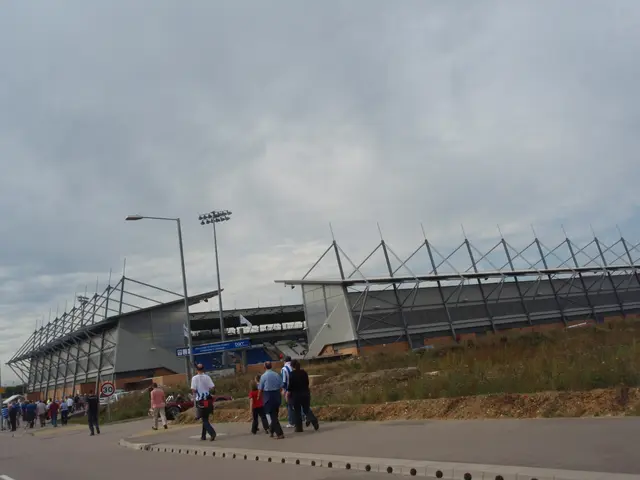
(215, 347)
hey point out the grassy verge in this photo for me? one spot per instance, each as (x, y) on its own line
(538, 371)
(572, 360)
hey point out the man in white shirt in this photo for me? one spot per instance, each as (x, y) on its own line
(70, 403)
(201, 386)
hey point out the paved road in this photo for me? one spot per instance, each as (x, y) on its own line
(604, 445)
(597, 444)
(70, 454)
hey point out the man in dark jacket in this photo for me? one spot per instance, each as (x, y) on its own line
(14, 412)
(93, 410)
(299, 395)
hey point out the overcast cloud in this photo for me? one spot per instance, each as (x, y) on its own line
(294, 114)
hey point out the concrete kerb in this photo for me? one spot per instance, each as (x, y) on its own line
(134, 446)
(424, 469)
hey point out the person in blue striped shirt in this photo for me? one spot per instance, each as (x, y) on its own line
(286, 372)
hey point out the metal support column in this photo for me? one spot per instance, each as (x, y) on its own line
(66, 370)
(225, 358)
(31, 379)
(345, 292)
(606, 268)
(582, 282)
(484, 298)
(440, 292)
(338, 259)
(98, 374)
(397, 296)
(75, 370)
(32, 367)
(628, 252)
(121, 294)
(106, 314)
(46, 392)
(55, 385)
(517, 282)
(37, 377)
(549, 277)
(86, 372)
(361, 314)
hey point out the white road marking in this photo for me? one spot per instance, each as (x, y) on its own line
(5, 477)
(198, 436)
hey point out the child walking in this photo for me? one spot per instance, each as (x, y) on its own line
(257, 409)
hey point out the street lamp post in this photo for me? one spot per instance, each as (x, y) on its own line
(213, 217)
(190, 361)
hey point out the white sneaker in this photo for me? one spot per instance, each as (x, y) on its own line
(288, 426)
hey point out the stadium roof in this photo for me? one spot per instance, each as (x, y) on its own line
(457, 276)
(27, 350)
(257, 316)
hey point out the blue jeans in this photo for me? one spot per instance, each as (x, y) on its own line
(54, 420)
(272, 402)
(291, 413)
(206, 425)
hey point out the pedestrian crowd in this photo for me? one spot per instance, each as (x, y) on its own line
(39, 412)
(266, 394)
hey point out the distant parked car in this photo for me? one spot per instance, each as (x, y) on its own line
(173, 408)
(113, 398)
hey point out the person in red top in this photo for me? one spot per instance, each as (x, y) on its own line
(257, 409)
(53, 413)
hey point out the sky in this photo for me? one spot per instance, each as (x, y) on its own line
(295, 115)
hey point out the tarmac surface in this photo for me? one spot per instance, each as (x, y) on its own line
(69, 453)
(593, 444)
(568, 445)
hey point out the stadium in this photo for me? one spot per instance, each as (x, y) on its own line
(465, 293)
(128, 336)
(131, 335)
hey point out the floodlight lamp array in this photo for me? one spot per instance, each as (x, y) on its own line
(215, 216)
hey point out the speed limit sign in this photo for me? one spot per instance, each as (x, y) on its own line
(107, 389)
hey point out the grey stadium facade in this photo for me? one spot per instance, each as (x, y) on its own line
(126, 334)
(465, 292)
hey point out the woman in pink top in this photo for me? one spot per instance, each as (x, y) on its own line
(157, 405)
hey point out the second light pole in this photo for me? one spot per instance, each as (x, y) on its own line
(213, 217)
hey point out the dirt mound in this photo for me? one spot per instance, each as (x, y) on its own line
(219, 415)
(388, 374)
(350, 381)
(594, 403)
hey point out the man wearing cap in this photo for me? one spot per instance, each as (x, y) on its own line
(270, 387)
(201, 387)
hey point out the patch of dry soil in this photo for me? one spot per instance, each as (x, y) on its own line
(602, 402)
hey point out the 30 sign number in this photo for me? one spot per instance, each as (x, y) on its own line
(107, 389)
